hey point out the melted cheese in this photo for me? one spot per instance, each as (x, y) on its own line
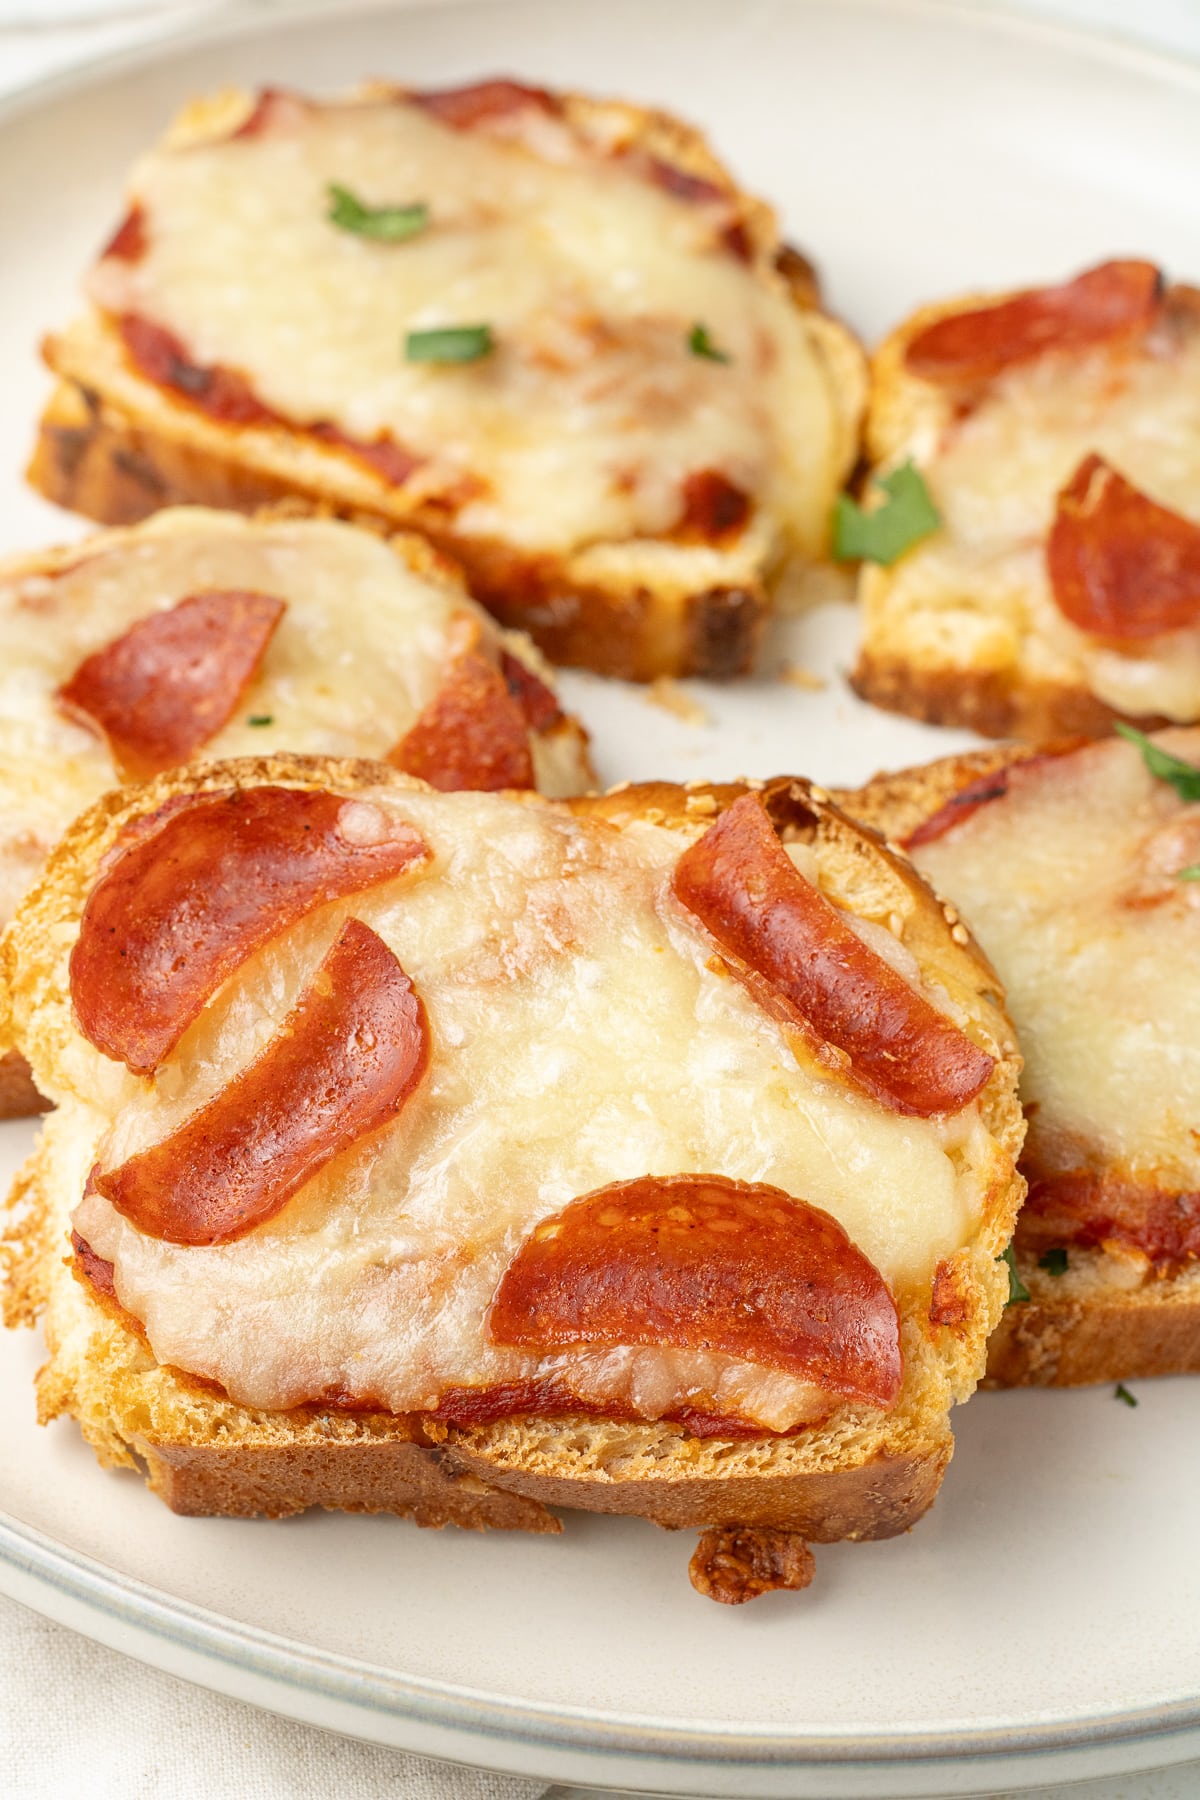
(580, 1037)
(359, 652)
(591, 412)
(1071, 884)
(976, 595)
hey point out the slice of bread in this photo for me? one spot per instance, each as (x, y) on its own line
(583, 1030)
(644, 414)
(1067, 864)
(968, 627)
(371, 630)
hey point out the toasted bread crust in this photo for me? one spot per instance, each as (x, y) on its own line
(994, 703)
(1091, 1327)
(864, 1475)
(115, 447)
(93, 459)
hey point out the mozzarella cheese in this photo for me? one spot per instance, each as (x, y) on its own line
(1071, 884)
(976, 596)
(582, 1033)
(582, 425)
(361, 649)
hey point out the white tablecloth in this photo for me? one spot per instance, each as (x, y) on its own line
(78, 1722)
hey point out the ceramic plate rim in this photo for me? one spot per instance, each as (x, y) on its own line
(28, 1555)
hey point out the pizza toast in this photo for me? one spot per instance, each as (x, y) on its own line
(549, 332)
(1072, 863)
(613, 1103)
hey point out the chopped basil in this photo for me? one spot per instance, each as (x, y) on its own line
(884, 533)
(389, 224)
(261, 719)
(449, 344)
(701, 344)
(1017, 1291)
(1121, 1392)
(1192, 874)
(1054, 1262)
(1184, 777)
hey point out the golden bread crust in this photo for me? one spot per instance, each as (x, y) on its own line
(863, 1474)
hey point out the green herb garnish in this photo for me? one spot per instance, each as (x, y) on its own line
(1191, 874)
(700, 344)
(261, 719)
(1054, 1262)
(1017, 1291)
(883, 534)
(449, 344)
(1184, 777)
(389, 224)
(1121, 1392)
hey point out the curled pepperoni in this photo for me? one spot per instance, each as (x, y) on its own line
(202, 885)
(162, 358)
(538, 703)
(472, 734)
(343, 1063)
(128, 242)
(1120, 565)
(703, 1263)
(170, 682)
(714, 510)
(1111, 301)
(462, 108)
(807, 967)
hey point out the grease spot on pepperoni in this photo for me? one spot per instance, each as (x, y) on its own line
(472, 734)
(345, 1060)
(173, 680)
(1112, 301)
(1120, 565)
(700, 1262)
(807, 967)
(194, 890)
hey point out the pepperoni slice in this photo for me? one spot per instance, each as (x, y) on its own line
(462, 108)
(383, 455)
(538, 703)
(275, 109)
(1094, 1207)
(163, 358)
(1120, 565)
(342, 1065)
(172, 681)
(1112, 301)
(806, 966)
(703, 1263)
(472, 734)
(551, 1397)
(128, 242)
(199, 887)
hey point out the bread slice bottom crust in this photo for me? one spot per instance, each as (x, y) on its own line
(994, 703)
(1090, 1324)
(94, 458)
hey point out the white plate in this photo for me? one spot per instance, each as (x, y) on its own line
(1041, 1624)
